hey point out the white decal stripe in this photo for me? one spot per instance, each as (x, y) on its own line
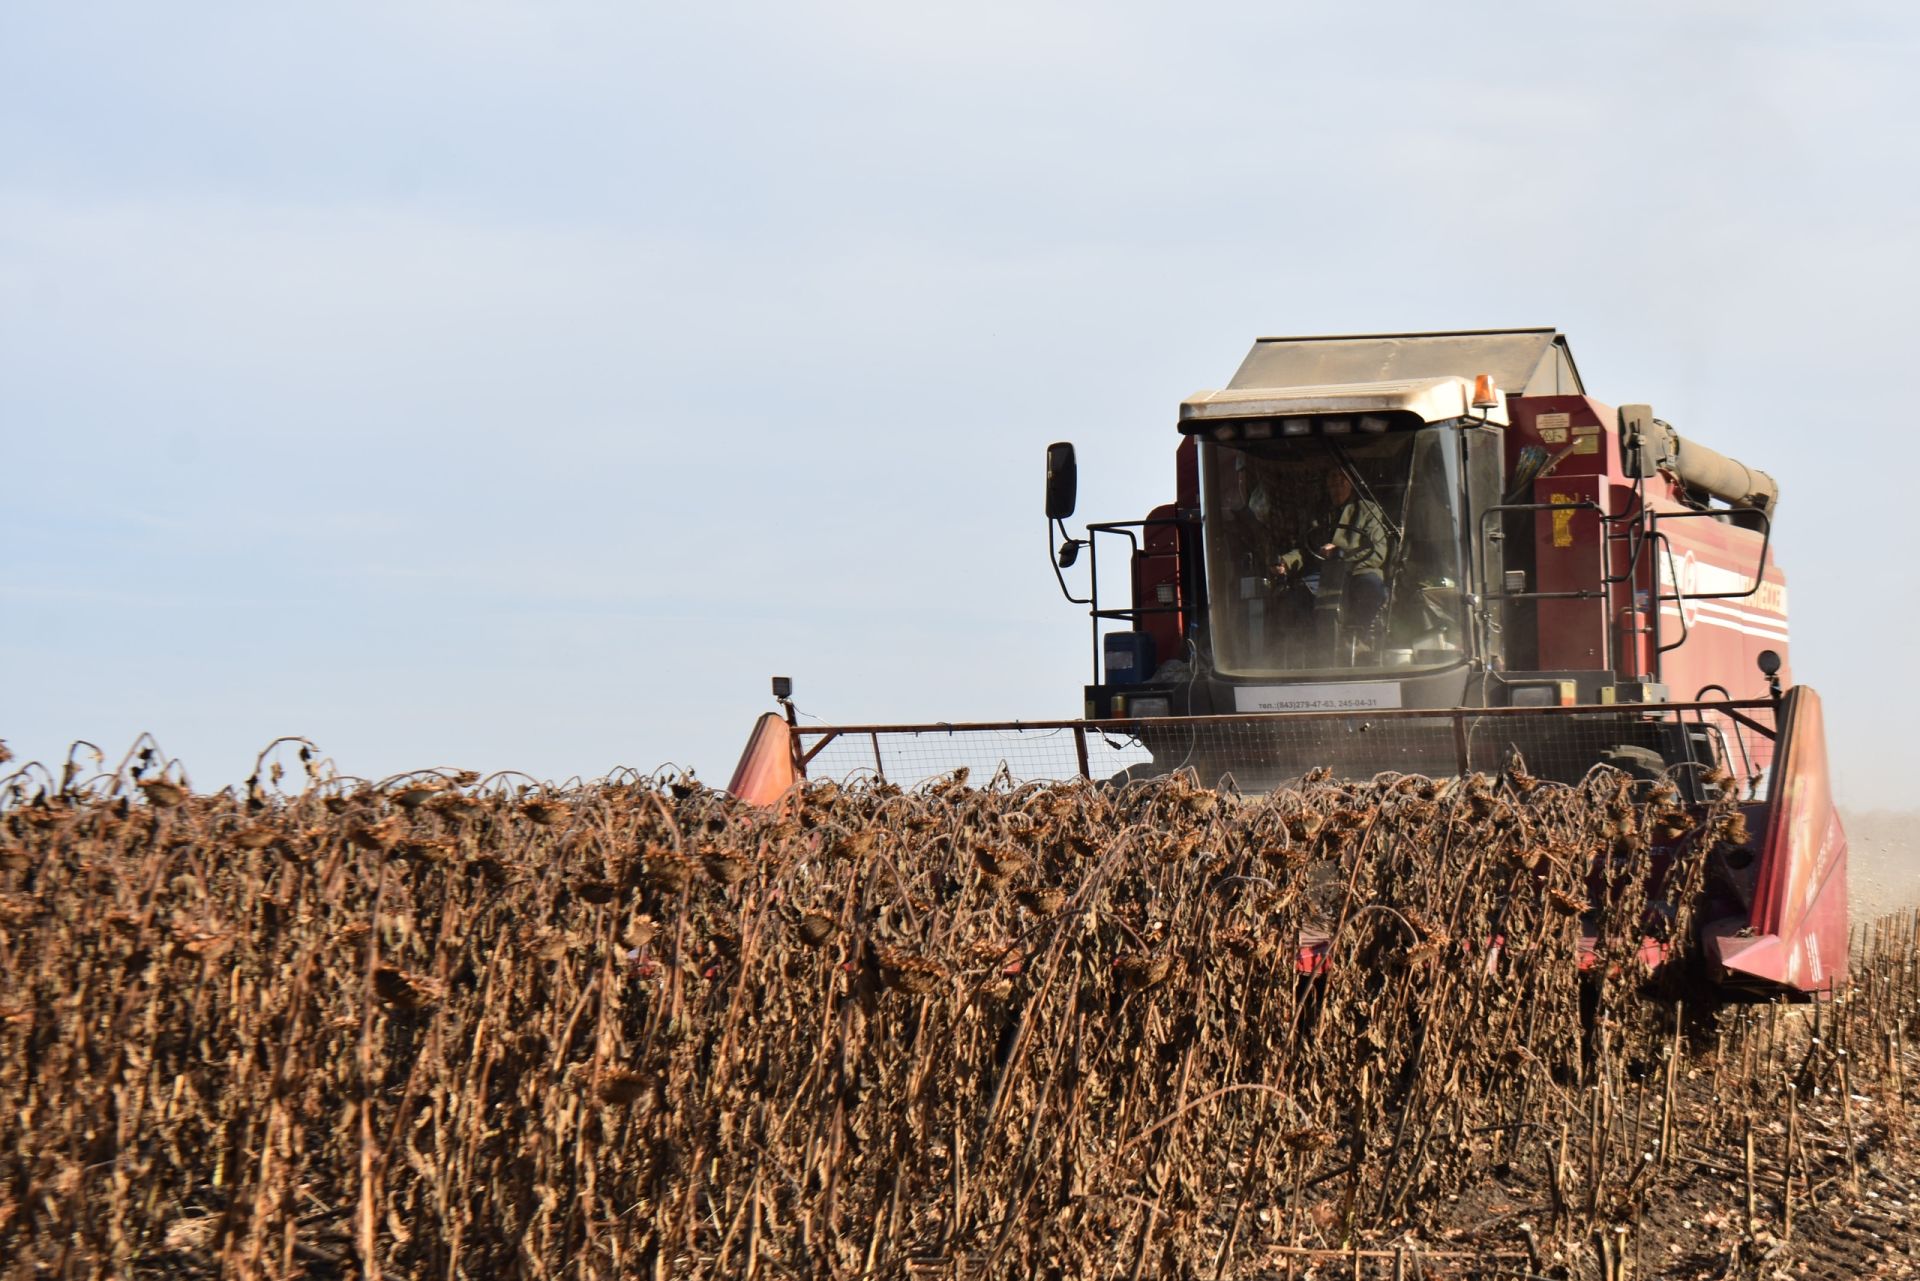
(1746, 614)
(1736, 623)
(1775, 623)
(1758, 632)
(1757, 618)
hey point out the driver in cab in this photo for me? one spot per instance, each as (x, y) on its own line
(1354, 532)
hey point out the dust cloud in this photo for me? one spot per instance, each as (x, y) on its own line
(1883, 870)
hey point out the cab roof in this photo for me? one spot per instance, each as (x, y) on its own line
(1523, 362)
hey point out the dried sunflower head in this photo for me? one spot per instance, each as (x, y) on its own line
(594, 890)
(668, 872)
(1564, 903)
(906, 972)
(1142, 970)
(543, 811)
(728, 867)
(618, 1087)
(1044, 901)
(417, 792)
(256, 836)
(163, 793)
(406, 989)
(1003, 862)
(815, 928)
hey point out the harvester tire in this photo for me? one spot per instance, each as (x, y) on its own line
(1139, 773)
(1638, 762)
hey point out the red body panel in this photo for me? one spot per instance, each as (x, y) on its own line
(1567, 543)
(1718, 636)
(766, 769)
(1157, 579)
(1796, 932)
(1688, 644)
(1157, 585)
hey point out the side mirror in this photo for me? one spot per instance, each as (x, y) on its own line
(1768, 662)
(1063, 480)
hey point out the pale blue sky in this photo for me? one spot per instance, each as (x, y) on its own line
(521, 385)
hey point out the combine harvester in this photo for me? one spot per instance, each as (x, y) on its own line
(1433, 554)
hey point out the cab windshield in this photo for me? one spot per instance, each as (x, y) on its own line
(1331, 554)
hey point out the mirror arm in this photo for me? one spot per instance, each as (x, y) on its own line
(1054, 560)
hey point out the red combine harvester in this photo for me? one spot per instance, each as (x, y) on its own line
(1434, 554)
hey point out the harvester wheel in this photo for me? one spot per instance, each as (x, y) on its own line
(1638, 762)
(1137, 774)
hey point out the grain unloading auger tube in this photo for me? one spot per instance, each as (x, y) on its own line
(1775, 898)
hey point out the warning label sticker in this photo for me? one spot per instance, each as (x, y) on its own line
(1359, 696)
(1552, 428)
(1563, 520)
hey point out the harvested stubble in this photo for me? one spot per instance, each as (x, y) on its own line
(636, 1029)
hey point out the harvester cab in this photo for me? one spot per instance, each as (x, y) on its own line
(1417, 520)
(1433, 554)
